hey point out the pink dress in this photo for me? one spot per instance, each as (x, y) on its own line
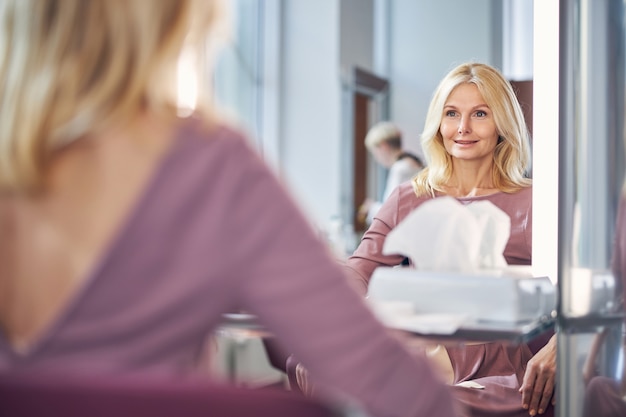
(498, 366)
(215, 232)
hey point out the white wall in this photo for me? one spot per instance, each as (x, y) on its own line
(428, 38)
(518, 39)
(321, 42)
(357, 34)
(310, 104)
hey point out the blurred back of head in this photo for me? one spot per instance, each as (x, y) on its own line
(384, 132)
(70, 68)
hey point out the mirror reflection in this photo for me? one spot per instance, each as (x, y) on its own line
(381, 61)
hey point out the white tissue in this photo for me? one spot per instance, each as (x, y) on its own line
(470, 384)
(444, 235)
(496, 229)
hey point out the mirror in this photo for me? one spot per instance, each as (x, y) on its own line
(300, 66)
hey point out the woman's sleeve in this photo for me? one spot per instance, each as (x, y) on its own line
(369, 254)
(286, 276)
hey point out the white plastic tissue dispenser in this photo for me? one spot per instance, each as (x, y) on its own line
(506, 295)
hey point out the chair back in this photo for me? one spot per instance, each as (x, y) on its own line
(34, 395)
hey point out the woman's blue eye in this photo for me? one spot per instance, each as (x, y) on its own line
(481, 113)
(450, 113)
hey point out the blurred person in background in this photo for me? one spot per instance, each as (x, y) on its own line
(384, 142)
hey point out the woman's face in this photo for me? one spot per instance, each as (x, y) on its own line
(467, 126)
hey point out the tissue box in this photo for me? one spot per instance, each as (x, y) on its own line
(491, 295)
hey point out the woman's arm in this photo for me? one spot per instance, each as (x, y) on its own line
(283, 273)
(369, 254)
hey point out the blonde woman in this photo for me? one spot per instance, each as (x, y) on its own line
(476, 147)
(127, 231)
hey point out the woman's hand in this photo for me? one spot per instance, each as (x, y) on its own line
(538, 386)
(303, 380)
(364, 210)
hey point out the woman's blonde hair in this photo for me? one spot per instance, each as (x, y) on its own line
(69, 68)
(512, 154)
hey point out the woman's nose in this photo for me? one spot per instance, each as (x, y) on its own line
(464, 126)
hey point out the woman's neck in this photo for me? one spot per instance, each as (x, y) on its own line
(471, 181)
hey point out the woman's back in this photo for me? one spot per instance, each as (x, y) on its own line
(91, 187)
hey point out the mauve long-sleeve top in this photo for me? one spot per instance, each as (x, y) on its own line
(216, 232)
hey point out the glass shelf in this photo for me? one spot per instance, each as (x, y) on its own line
(514, 333)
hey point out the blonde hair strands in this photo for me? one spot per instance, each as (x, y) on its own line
(72, 67)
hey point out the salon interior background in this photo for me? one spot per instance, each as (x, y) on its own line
(287, 72)
(287, 76)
